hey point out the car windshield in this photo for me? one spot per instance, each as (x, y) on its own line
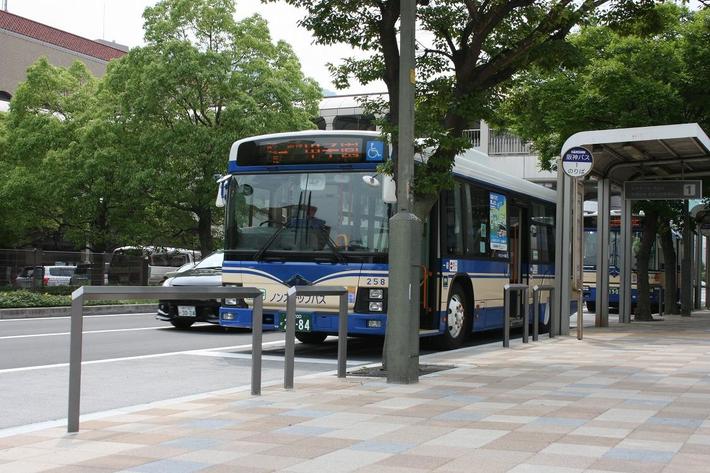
(212, 261)
(61, 271)
(324, 215)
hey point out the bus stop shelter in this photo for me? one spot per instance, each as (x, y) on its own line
(647, 154)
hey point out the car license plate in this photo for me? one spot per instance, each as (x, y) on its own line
(304, 322)
(186, 311)
(614, 291)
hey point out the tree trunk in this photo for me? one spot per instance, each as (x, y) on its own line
(204, 228)
(686, 283)
(643, 296)
(670, 262)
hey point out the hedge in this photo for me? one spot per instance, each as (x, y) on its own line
(17, 299)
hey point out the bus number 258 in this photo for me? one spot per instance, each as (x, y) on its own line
(376, 282)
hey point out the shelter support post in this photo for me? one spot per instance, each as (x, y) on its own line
(707, 273)
(698, 260)
(559, 323)
(602, 288)
(625, 234)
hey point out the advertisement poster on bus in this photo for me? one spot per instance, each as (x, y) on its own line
(499, 220)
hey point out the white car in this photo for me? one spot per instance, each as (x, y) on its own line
(50, 276)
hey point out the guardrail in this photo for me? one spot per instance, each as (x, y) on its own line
(507, 290)
(289, 355)
(164, 293)
(536, 308)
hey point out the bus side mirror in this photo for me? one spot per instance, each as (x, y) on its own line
(222, 184)
(389, 190)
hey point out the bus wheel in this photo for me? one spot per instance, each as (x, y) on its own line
(591, 306)
(311, 338)
(458, 322)
(182, 324)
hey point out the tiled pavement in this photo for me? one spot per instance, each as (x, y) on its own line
(626, 399)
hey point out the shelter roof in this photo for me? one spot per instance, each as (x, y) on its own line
(653, 152)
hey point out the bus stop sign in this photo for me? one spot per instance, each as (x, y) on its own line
(663, 190)
(577, 162)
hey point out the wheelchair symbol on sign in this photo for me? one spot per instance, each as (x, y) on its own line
(374, 150)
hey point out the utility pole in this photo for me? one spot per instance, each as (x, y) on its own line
(402, 350)
(4, 5)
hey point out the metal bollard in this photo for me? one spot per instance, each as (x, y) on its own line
(289, 354)
(536, 308)
(507, 289)
(85, 293)
(659, 287)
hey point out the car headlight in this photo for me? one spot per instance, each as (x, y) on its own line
(231, 300)
(376, 293)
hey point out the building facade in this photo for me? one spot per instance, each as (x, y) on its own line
(23, 41)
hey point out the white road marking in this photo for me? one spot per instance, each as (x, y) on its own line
(139, 357)
(28, 319)
(57, 334)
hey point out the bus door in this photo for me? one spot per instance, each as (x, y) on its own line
(428, 277)
(515, 250)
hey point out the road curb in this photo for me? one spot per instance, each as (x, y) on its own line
(37, 312)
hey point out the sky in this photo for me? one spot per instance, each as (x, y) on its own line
(122, 21)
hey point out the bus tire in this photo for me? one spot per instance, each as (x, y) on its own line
(591, 306)
(311, 338)
(458, 319)
(182, 324)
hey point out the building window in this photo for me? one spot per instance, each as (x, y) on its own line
(354, 122)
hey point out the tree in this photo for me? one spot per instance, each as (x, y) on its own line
(476, 47)
(638, 76)
(202, 82)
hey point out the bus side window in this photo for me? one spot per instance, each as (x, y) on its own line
(454, 224)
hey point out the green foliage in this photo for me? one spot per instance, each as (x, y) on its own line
(619, 80)
(202, 82)
(48, 297)
(131, 158)
(470, 52)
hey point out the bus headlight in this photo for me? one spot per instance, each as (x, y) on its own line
(376, 293)
(376, 306)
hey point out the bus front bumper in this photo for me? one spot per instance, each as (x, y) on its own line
(358, 324)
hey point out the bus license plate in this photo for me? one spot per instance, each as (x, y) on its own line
(614, 291)
(304, 322)
(186, 311)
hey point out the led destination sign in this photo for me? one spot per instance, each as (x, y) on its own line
(331, 149)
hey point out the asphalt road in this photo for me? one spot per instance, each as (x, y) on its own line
(134, 359)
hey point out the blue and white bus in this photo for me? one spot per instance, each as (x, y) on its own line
(309, 208)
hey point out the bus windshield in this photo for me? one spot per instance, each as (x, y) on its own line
(317, 215)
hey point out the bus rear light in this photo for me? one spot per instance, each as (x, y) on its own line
(45, 281)
(376, 293)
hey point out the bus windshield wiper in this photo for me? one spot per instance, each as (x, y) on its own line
(259, 254)
(330, 244)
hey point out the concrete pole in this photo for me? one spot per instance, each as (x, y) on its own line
(402, 348)
(707, 272)
(602, 290)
